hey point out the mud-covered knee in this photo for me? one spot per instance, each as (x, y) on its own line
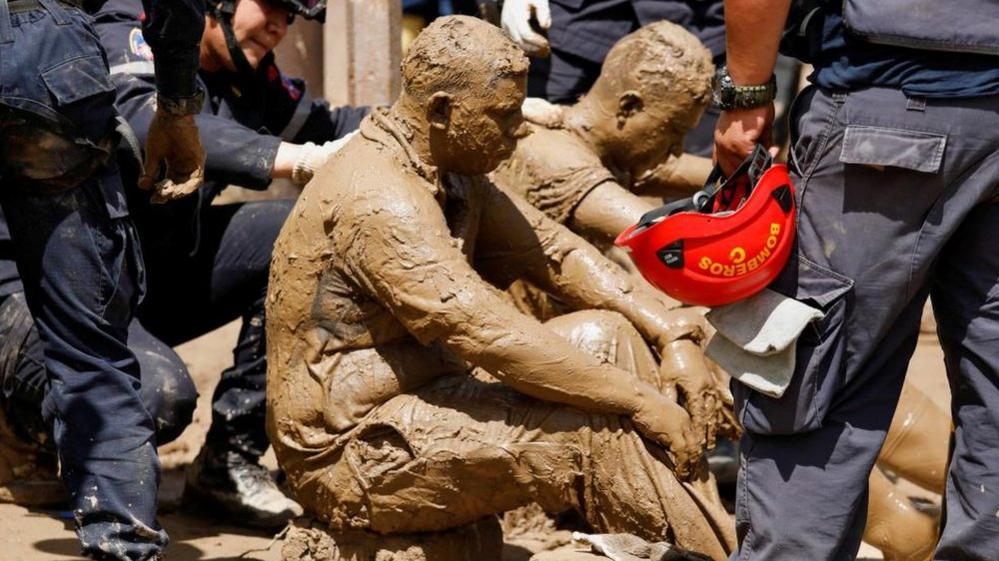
(170, 395)
(590, 326)
(341, 495)
(605, 335)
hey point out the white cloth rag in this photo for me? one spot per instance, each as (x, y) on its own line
(756, 338)
(628, 547)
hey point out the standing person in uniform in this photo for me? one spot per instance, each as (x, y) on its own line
(580, 33)
(76, 248)
(895, 157)
(208, 264)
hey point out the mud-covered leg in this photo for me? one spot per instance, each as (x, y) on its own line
(918, 442)
(895, 525)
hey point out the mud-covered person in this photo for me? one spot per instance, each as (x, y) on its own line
(405, 394)
(571, 38)
(74, 243)
(206, 264)
(655, 84)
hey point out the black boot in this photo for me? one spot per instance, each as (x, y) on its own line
(235, 484)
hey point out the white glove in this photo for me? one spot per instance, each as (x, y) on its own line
(314, 156)
(516, 20)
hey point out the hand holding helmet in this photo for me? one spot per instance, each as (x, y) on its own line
(726, 243)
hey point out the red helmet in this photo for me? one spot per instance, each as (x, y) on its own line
(724, 244)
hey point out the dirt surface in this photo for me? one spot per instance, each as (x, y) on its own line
(47, 535)
(43, 535)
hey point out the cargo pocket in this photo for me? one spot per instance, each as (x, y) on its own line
(124, 275)
(880, 147)
(819, 370)
(82, 92)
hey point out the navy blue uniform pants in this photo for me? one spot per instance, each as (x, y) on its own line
(898, 199)
(167, 389)
(224, 278)
(78, 256)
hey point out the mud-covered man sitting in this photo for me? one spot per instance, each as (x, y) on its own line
(406, 394)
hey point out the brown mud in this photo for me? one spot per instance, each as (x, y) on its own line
(406, 394)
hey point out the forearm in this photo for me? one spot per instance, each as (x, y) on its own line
(753, 31)
(587, 279)
(605, 212)
(173, 30)
(529, 357)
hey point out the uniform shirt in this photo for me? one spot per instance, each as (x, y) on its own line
(844, 63)
(242, 123)
(589, 28)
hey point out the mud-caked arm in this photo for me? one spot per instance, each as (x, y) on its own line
(606, 211)
(517, 240)
(401, 253)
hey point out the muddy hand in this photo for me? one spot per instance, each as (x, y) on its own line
(684, 368)
(666, 423)
(173, 143)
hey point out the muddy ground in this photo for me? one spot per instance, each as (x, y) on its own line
(45, 535)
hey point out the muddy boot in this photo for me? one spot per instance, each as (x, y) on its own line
(237, 485)
(28, 470)
(28, 474)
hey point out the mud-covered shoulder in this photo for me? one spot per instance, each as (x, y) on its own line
(364, 182)
(543, 155)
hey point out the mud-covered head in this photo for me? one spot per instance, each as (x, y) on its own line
(465, 80)
(653, 87)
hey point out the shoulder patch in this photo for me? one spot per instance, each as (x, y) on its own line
(137, 44)
(275, 75)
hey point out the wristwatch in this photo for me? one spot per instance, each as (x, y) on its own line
(727, 95)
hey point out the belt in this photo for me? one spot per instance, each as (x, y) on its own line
(17, 6)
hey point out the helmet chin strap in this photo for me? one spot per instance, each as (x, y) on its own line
(223, 12)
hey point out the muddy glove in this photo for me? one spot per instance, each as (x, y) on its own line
(314, 156)
(516, 20)
(664, 422)
(173, 142)
(540, 112)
